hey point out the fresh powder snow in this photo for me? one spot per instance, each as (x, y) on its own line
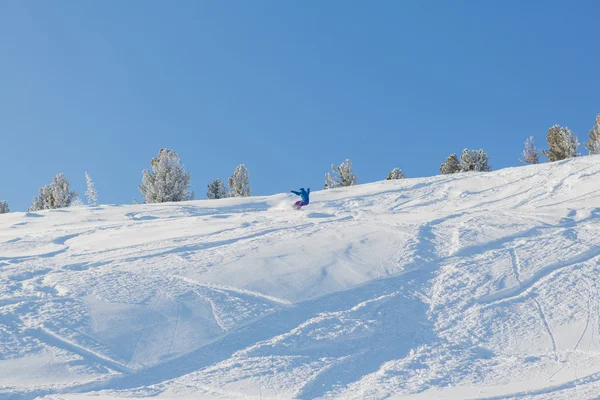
(463, 286)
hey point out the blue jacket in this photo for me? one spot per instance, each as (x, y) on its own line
(303, 194)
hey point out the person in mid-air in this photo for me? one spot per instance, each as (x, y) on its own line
(304, 196)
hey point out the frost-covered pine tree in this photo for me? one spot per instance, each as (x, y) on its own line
(55, 195)
(593, 144)
(474, 160)
(90, 193)
(531, 155)
(483, 163)
(450, 166)
(216, 190)
(4, 207)
(342, 176)
(468, 159)
(167, 181)
(562, 144)
(239, 182)
(396, 173)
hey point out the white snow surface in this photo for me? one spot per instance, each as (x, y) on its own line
(474, 285)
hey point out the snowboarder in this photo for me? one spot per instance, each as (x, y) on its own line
(304, 196)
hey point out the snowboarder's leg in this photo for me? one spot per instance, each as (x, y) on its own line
(299, 204)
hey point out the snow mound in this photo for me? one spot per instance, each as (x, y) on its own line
(478, 285)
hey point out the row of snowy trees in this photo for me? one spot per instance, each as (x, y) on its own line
(562, 144)
(470, 161)
(58, 194)
(239, 185)
(342, 175)
(167, 179)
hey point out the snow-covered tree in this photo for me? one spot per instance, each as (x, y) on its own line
(451, 165)
(55, 195)
(474, 160)
(531, 155)
(77, 202)
(90, 193)
(593, 144)
(167, 181)
(562, 144)
(4, 207)
(396, 173)
(342, 176)
(239, 182)
(216, 190)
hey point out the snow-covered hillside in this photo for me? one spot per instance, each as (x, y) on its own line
(466, 286)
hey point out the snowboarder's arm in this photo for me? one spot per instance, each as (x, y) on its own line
(296, 193)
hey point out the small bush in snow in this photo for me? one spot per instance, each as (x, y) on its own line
(450, 166)
(530, 155)
(562, 144)
(396, 173)
(593, 144)
(54, 195)
(342, 176)
(216, 190)
(239, 182)
(474, 160)
(77, 202)
(167, 181)
(4, 207)
(90, 193)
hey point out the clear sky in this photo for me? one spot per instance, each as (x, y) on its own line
(285, 87)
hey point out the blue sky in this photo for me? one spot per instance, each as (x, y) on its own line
(285, 87)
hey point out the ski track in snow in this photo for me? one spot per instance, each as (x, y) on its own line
(457, 287)
(547, 326)
(516, 264)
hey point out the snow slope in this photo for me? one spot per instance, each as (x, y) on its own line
(480, 285)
